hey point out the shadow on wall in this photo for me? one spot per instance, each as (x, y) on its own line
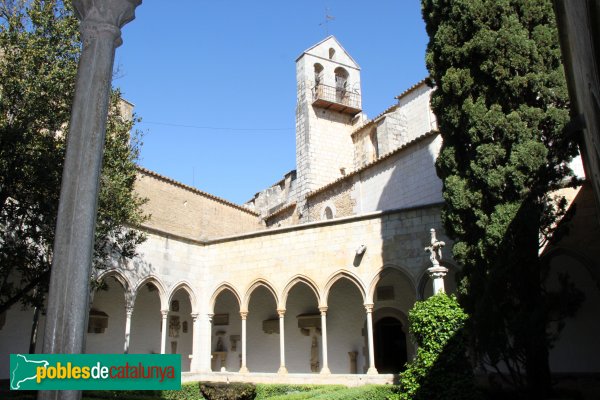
(412, 182)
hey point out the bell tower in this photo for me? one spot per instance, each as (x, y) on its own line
(327, 109)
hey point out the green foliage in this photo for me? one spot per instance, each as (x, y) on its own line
(188, 391)
(501, 104)
(330, 392)
(228, 391)
(440, 369)
(39, 52)
(367, 392)
(264, 391)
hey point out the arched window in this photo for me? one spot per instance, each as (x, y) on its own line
(328, 213)
(318, 74)
(331, 53)
(341, 84)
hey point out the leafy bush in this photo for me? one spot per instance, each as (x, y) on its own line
(441, 369)
(228, 391)
(188, 391)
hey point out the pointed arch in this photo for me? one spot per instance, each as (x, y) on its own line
(384, 270)
(164, 305)
(255, 284)
(119, 277)
(342, 275)
(220, 289)
(184, 285)
(299, 279)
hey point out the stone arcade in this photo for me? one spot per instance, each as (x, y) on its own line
(312, 279)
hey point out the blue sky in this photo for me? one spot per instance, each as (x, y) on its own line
(214, 81)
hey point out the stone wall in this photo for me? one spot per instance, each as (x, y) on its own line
(404, 178)
(337, 197)
(284, 217)
(403, 122)
(188, 212)
(414, 104)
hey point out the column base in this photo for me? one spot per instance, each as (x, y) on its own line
(372, 371)
(282, 370)
(325, 371)
(244, 370)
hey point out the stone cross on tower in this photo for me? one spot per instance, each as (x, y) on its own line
(436, 271)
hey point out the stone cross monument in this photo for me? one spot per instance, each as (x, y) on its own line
(436, 271)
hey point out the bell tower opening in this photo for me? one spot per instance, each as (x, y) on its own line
(328, 103)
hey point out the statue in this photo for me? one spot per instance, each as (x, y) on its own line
(435, 250)
(314, 355)
(436, 271)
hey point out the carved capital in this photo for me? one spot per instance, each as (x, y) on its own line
(194, 316)
(437, 272)
(323, 310)
(113, 12)
(164, 313)
(100, 17)
(369, 307)
(244, 314)
(281, 312)
(129, 310)
(210, 318)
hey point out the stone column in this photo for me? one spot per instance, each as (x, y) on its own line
(68, 296)
(372, 370)
(194, 365)
(128, 314)
(163, 333)
(282, 368)
(323, 310)
(243, 368)
(436, 274)
(209, 339)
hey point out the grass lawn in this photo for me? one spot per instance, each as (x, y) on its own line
(190, 391)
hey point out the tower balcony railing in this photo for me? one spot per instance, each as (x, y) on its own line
(336, 99)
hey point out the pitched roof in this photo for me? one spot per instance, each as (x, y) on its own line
(411, 89)
(194, 190)
(325, 40)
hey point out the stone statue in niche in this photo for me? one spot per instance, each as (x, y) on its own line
(353, 366)
(314, 355)
(184, 326)
(175, 305)
(220, 344)
(174, 326)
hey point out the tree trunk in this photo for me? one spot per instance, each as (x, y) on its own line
(34, 329)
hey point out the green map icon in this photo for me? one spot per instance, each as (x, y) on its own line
(23, 369)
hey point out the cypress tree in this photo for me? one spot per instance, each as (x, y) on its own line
(501, 103)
